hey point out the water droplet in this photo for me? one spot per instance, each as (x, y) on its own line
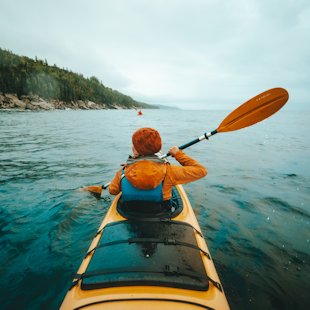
(268, 218)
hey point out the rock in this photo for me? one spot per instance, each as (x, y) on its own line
(94, 106)
(82, 105)
(41, 105)
(35, 103)
(59, 105)
(11, 101)
(116, 107)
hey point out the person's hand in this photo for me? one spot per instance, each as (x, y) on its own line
(173, 151)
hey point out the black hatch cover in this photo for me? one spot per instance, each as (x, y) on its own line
(148, 252)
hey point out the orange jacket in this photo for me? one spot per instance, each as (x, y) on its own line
(148, 175)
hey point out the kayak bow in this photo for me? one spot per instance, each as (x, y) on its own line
(155, 263)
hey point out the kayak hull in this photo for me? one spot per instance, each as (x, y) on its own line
(141, 294)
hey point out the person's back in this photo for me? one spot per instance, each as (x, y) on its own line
(145, 176)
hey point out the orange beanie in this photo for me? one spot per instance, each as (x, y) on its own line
(147, 141)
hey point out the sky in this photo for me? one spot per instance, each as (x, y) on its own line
(192, 54)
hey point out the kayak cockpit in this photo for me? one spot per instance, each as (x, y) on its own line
(147, 209)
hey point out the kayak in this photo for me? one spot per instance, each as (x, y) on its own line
(154, 259)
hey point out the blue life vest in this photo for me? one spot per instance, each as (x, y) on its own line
(131, 193)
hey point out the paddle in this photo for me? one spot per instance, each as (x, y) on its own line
(249, 113)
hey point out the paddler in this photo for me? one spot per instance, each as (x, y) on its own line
(146, 177)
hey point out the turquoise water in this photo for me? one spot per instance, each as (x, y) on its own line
(253, 206)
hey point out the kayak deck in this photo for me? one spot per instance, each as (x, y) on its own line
(146, 249)
(138, 263)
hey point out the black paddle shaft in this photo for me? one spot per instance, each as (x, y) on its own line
(205, 136)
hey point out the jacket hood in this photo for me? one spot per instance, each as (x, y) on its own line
(145, 174)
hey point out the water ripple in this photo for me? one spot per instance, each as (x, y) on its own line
(253, 207)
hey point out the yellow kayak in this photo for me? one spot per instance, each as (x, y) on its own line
(148, 262)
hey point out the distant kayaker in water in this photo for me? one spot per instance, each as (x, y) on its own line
(147, 177)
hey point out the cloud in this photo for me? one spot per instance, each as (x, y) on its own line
(194, 54)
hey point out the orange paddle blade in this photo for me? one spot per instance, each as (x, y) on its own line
(255, 110)
(95, 189)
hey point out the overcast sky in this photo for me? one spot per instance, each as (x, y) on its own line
(199, 54)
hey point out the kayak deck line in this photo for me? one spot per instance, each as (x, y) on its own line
(162, 220)
(167, 241)
(150, 240)
(167, 270)
(147, 300)
(147, 263)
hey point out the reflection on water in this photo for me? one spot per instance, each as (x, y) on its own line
(253, 206)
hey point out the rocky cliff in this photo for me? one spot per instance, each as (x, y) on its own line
(34, 102)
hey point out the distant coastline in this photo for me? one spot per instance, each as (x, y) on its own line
(33, 84)
(36, 103)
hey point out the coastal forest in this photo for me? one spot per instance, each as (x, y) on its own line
(22, 75)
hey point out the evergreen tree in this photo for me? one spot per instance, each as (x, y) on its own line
(24, 76)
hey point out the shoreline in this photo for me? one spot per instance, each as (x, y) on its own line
(11, 102)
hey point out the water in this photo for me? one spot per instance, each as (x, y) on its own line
(253, 206)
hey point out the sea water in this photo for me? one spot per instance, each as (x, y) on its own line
(253, 206)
